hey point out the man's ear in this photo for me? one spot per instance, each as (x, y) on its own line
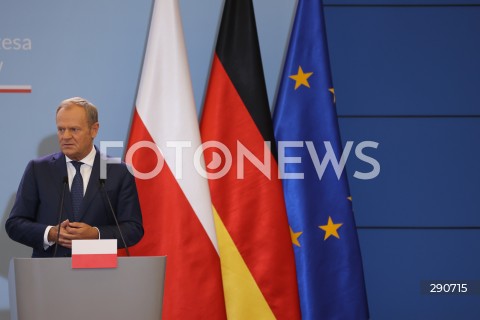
(94, 129)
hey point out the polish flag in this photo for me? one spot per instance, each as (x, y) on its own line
(174, 197)
(90, 254)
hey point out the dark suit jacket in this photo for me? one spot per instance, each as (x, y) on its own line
(38, 202)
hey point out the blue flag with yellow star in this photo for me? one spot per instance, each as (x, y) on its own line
(328, 261)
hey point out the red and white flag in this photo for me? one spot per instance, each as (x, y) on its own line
(175, 199)
(94, 254)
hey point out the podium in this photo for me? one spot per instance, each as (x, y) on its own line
(48, 288)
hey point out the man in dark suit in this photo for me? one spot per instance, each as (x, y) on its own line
(74, 172)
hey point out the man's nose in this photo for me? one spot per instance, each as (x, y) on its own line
(66, 134)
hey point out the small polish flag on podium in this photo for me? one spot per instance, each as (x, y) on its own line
(94, 254)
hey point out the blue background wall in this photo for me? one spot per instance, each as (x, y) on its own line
(406, 74)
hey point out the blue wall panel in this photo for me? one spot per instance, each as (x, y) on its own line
(429, 171)
(405, 60)
(396, 261)
(353, 3)
(407, 77)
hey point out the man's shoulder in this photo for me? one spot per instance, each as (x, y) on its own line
(48, 158)
(43, 165)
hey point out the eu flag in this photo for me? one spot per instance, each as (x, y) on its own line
(322, 225)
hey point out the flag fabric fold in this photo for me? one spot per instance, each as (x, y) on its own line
(256, 254)
(174, 197)
(328, 259)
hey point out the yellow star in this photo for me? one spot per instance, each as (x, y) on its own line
(331, 229)
(301, 78)
(332, 90)
(294, 236)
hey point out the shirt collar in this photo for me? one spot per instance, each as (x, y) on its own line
(88, 160)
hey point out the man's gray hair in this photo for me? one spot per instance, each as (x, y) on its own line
(90, 109)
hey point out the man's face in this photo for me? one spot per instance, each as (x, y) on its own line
(75, 136)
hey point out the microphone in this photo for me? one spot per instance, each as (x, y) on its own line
(60, 213)
(102, 186)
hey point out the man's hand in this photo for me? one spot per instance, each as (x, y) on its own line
(53, 233)
(72, 231)
(80, 231)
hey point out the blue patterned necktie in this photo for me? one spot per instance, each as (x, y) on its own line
(77, 190)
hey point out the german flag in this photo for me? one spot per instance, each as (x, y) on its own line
(258, 268)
